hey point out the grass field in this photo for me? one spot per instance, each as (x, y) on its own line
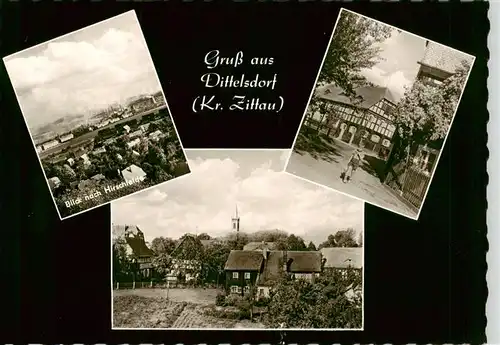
(184, 308)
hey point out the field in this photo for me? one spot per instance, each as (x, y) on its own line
(184, 308)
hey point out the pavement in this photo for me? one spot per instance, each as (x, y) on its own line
(325, 169)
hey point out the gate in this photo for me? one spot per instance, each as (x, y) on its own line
(412, 181)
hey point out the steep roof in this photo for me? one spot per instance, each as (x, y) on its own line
(367, 95)
(343, 257)
(244, 260)
(304, 261)
(273, 266)
(134, 238)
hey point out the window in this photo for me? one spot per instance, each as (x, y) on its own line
(234, 289)
(246, 289)
(375, 138)
(386, 143)
(261, 292)
(235, 275)
(247, 275)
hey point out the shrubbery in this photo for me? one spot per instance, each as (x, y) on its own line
(220, 300)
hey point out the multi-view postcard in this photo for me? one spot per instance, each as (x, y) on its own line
(97, 114)
(237, 244)
(379, 114)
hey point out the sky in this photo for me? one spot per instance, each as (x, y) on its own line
(267, 198)
(83, 71)
(400, 53)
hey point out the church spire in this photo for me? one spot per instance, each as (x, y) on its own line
(236, 222)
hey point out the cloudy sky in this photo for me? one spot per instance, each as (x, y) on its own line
(86, 70)
(400, 53)
(205, 200)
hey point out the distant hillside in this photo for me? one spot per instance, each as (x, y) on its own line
(60, 126)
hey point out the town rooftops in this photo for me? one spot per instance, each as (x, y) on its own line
(343, 257)
(298, 261)
(367, 95)
(241, 260)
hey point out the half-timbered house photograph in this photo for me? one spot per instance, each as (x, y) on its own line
(379, 114)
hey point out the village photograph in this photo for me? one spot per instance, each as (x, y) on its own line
(379, 114)
(237, 244)
(97, 114)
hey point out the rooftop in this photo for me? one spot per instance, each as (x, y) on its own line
(367, 95)
(244, 260)
(338, 257)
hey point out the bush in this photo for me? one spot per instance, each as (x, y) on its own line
(220, 299)
(232, 300)
(262, 302)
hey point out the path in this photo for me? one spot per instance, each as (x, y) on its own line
(326, 168)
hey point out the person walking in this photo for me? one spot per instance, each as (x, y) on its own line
(352, 165)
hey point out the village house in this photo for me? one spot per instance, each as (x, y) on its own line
(133, 172)
(136, 248)
(99, 150)
(50, 144)
(156, 135)
(98, 177)
(136, 133)
(365, 120)
(66, 137)
(54, 183)
(342, 259)
(133, 143)
(262, 268)
(144, 127)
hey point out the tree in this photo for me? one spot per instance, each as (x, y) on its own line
(162, 263)
(425, 112)
(204, 236)
(346, 238)
(354, 46)
(295, 243)
(330, 242)
(311, 246)
(156, 157)
(342, 238)
(331, 301)
(122, 263)
(268, 235)
(162, 245)
(213, 261)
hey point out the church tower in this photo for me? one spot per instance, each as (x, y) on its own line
(236, 223)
